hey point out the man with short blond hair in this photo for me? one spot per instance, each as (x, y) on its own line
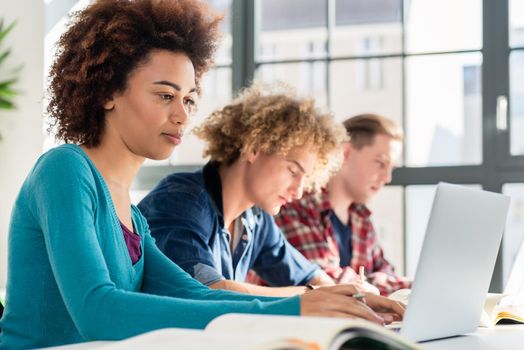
(332, 227)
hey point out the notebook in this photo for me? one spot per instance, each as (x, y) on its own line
(456, 262)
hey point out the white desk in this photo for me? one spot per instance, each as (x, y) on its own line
(502, 337)
(81, 346)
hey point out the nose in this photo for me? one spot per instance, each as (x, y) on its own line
(386, 175)
(179, 114)
(297, 188)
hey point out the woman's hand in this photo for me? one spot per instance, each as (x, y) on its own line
(337, 301)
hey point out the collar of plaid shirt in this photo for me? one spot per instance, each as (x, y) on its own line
(355, 209)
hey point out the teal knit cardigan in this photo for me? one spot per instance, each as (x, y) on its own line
(70, 277)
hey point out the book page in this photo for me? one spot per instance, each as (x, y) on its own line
(487, 318)
(501, 307)
(181, 339)
(492, 300)
(317, 332)
(513, 313)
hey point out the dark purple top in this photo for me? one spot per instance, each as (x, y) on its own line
(132, 243)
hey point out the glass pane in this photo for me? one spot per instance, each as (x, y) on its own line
(216, 92)
(223, 55)
(367, 86)
(516, 76)
(56, 28)
(308, 78)
(443, 25)
(514, 233)
(516, 23)
(387, 214)
(292, 29)
(367, 27)
(443, 110)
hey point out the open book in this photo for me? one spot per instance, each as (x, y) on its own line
(498, 308)
(265, 332)
(509, 306)
(501, 308)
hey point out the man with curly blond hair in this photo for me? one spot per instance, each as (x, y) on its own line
(265, 147)
(216, 223)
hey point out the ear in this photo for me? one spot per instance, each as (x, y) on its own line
(109, 105)
(347, 149)
(251, 155)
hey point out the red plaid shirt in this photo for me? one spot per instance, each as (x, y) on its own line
(307, 226)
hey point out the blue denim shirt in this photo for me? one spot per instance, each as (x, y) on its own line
(185, 216)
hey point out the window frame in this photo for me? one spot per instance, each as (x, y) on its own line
(498, 166)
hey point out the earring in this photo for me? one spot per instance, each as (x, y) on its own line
(109, 105)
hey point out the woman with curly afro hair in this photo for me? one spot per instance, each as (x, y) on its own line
(216, 223)
(82, 263)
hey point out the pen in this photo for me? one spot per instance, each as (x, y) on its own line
(362, 274)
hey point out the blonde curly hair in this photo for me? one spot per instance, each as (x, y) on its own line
(273, 119)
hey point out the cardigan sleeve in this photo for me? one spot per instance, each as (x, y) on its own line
(65, 205)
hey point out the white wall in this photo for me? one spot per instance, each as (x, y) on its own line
(22, 129)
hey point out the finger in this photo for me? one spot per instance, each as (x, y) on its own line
(398, 308)
(353, 307)
(333, 314)
(379, 303)
(392, 316)
(388, 318)
(341, 289)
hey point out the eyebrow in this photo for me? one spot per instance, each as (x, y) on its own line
(297, 164)
(173, 85)
(384, 157)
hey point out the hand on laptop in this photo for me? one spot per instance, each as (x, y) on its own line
(337, 301)
(389, 310)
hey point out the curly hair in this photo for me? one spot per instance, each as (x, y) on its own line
(108, 40)
(273, 119)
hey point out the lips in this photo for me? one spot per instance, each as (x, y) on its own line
(173, 137)
(376, 188)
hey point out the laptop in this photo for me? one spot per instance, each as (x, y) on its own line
(456, 263)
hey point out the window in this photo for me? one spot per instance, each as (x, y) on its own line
(216, 85)
(440, 68)
(424, 64)
(216, 91)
